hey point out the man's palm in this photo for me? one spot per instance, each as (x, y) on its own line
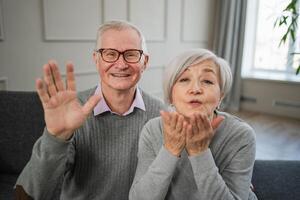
(63, 111)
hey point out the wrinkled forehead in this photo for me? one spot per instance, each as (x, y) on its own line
(124, 34)
(205, 65)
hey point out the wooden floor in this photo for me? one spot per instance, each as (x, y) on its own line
(278, 138)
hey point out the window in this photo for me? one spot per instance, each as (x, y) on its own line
(263, 57)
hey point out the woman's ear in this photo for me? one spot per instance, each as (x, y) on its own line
(220, 100)
(222, 97)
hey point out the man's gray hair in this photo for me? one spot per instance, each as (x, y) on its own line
(191, 57)
(120, 25)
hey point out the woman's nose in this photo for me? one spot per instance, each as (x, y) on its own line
(195, 88)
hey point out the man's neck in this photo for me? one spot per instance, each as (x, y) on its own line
(119, 101)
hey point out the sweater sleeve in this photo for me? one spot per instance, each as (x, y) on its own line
(234, 181)
(154, 172)
(46, 167)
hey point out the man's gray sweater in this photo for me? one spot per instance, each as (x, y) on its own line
(99, 161)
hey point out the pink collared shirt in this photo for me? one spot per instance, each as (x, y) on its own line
(102, 106)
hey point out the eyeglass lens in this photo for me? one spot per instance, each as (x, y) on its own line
(112, 55)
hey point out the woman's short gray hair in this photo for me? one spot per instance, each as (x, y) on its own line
(120, 25)
(191, 57)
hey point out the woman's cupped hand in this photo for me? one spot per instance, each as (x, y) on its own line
(194, 133)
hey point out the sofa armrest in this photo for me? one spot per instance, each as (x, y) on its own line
(21, 124)
(276, 179)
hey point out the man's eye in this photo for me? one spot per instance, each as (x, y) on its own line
(110, 54)
(131, 54)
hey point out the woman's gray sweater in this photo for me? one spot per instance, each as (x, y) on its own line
(223, 171)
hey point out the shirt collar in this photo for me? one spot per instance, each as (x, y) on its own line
(102, 106)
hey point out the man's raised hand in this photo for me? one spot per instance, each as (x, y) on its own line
(63, 112)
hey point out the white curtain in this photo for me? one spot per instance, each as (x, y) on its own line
(228, 43)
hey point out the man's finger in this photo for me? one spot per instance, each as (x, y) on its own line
(44, 97)
(56, 76)
(90, 104)
(48, 78)
(70, 77)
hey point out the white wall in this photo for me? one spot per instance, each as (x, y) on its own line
(38, 30)
(273, 97)
(267, 92)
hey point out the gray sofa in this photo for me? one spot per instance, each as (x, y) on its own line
(21, 123)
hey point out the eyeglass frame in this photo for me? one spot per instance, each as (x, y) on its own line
(119, 54)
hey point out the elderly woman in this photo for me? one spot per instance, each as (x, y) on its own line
(195, 151)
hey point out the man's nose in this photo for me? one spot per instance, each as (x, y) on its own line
(121, 63)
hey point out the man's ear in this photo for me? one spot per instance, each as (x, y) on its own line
(145, 61)
(96, 60)
(95, 57)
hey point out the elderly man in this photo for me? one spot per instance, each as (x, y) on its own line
(90, 140)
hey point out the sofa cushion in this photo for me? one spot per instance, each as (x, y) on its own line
(7, 185)
(21, 124)
(276, 180)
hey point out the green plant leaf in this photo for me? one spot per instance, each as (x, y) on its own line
(283, 20)
(298, 70)
(288, 19)
(291, 6)
(292, 33)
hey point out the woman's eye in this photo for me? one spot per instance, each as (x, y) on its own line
(208, 82)
(183, 80)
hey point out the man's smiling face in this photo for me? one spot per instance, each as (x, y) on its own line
(120, 75)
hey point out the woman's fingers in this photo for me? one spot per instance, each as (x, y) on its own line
(179, 124)
(173, 120)
(194, 124)
(185, 129)
(217, 121)
(165, 117)
(56, 76)
(189, 132)
(204, 122)
(207, 124)
(70, 77)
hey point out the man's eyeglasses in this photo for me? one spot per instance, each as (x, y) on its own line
(112, 55)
